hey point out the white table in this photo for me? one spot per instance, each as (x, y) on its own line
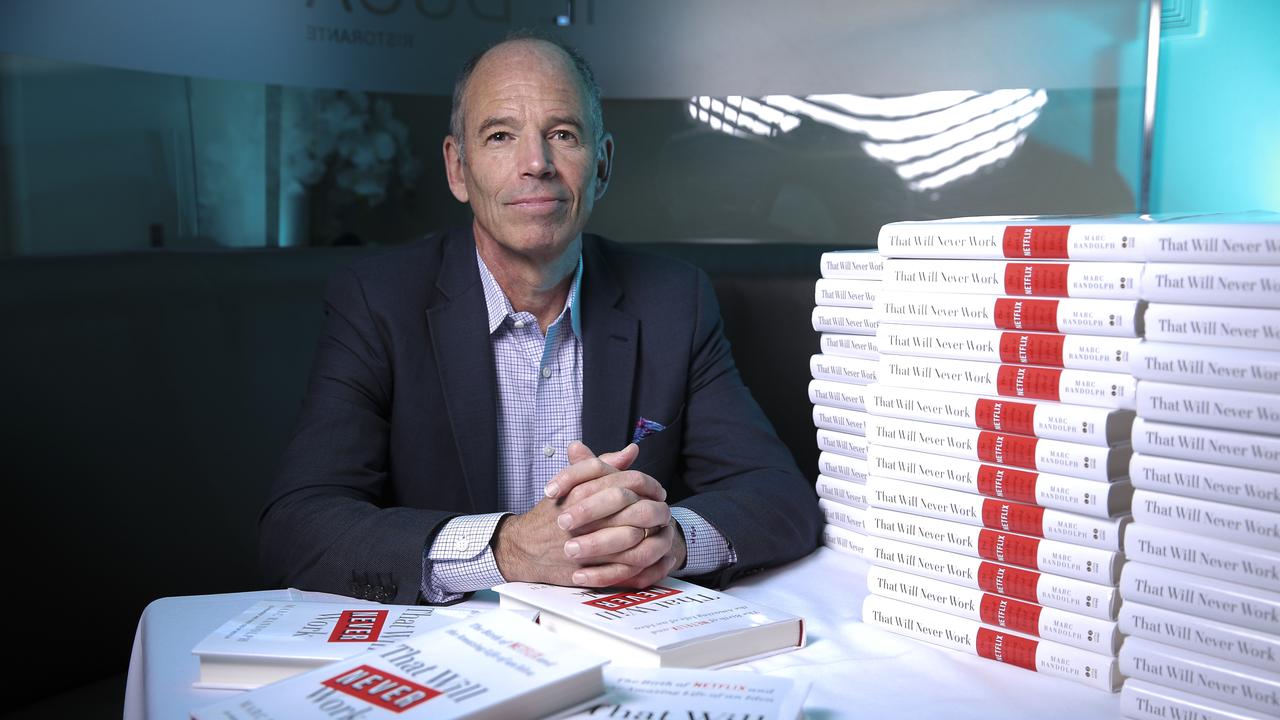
(855, 670)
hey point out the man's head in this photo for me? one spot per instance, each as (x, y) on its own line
(527, 147)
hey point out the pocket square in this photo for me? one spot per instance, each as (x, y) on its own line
(645, 428)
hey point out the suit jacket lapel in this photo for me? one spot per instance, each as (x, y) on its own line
(459, 328)
(610, 340)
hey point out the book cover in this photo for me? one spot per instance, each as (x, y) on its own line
(1249, 328)
(844, 320)
(1075, 387)
(853, 264)
(494, 665)
(672, 624)
(1147, 701)
(858, 346)
(1219, 483)
(1076, 352)
(1194, 553)
(1200, 284)
(672, 693)
(1216, 447)
(834, 292)
(840, 419)
(1240, 369)
(1201, 674)
(1242, 645)
(1201, 596)
(1108, 281)
(1214, 407)
(1117, 318)
(1233, 523)
(857, 371)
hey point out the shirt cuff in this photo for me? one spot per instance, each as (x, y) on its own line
(460, 559)
(706, 550)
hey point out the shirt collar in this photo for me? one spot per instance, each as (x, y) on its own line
(499, 306)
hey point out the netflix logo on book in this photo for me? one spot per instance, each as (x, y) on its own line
(376, 687)
(618, 601)
(358, 626)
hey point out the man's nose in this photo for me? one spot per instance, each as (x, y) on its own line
(535, 159)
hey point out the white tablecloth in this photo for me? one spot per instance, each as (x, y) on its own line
(855, 670)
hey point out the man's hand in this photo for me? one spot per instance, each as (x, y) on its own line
(600, 525)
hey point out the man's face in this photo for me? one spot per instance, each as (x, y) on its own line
(532, 170)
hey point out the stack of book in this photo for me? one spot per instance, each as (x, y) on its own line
(998, 440)
(849, 359)
(1201, 589)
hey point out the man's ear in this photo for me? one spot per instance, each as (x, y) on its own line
(604, 164)
(454, 169)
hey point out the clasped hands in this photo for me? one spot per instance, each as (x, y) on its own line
(600, 525)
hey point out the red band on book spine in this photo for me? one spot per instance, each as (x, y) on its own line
(1005, 449)
(1026, 349)
(1016, 485)
(1019, 314)
(1005, 416)
(1037, 279)
(1028, 382)
(1036, 241)
(1006, 548)
(1007, 648)
(1014, 517)
(1009, 581)
(1013, 614)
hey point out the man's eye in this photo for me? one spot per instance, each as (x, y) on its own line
(500, 136)
(564, 136)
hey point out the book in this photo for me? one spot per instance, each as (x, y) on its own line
(1063, 458)
(670, 693)
(1058, 558)
(1201, 674)
(849, 321)
(859, 346)
(845, 516)
(273, 640)
(1219, 483)
(909, 497)
(840, 419)
(1201, 596)
(1240, 369)
(1076, 495)
(1076, 352)
(1170, 627)
(857, 371)
(840, 292)
(1216, 447)
(673, 624)
(1250, 328)
(1112, 280)
(842, 468)
(493, 665)
(854, 264)
(1234, 523)
(844, 540)
(1200, 555)
(1117, 318)
(1247, 237)
(1055, 591)
(1076, 387)
(854, 446)
(1200, 284)
(1050, 658)
(838, 394)
(1108, 237)
(1052, 421)
(1143, 700)
(1068, 628)
(844, 492)
(1215, 407)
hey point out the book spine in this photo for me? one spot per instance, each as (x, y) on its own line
(1116, 318)
(1251, 328)
(909, 497)
(852, 264)
(857, 346)
(833, 292)
(1200, 674)
(1063, 593)
(1049, 658)
(844, 540)
(1200, 284)
(1071, 423)
(1219, 483)
(1114, 281)
(849, 518)
(857, 371)
(1077, 352)
(842, 491)
(1240, 369)
(1084, 497)
(1245, 410)
(1261, 650)
(843, 468)
(1142, 700)
(1200, 596)
(1216, 447)
(1228, 243)
(838, 394)
(1076, 387)
(840, 419)
(1233, 523)
(1100, 636)
(1073, 459)
(1200, 555)
(848, 321)
(997, 240)
(854, 446)
(1074, 561)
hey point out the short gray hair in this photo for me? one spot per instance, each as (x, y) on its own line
(586, 78)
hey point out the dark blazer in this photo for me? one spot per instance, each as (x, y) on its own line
(397, 433)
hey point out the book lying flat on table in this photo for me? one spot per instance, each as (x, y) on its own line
(656, 693)
(494, 665)
(671, 624)
(271, 641)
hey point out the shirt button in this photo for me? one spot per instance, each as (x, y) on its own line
(548, 451)
(462, 544)
(519, 324)
(546, 372)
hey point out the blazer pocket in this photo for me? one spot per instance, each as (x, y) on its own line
(661, 449)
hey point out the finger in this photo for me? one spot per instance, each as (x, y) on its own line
(651, 549)
(604, 542)
(585, 466)
(578, 451)
(637, 482)
(643, 513)
(622, 574)
(596, 506)
(623, 458)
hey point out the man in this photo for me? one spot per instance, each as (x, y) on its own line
(439, 448)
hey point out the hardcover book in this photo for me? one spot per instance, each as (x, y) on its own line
(1073, 387)
(840, 419)
(1144, 700)
(846, 320)
(1204, 675)
(858, 371)
(1194, 553)
(845, 492)
(672, 624)
(853, 446)
(1075, 352)
(1234, 523)
(855, 264)
(1249, 328)
(844, 540)
(842, 468)
(1242, 645)
(859, 346)
(1205, 597)
(1116, 318)
(838, 394)
(1199, 284)
(671, 693)
(845, 516)
(845, 293)
(1240, 369)
(1108, 281)
(1219, 483)
(1214, 407)
(1216, 447)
